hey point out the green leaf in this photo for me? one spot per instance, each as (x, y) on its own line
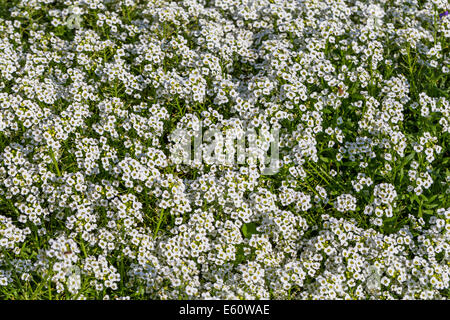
(248, 229)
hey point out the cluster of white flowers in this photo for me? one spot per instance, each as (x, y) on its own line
(383, 204)
(346, 202)
(93, 192)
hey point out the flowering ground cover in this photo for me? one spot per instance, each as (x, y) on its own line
(224, 149)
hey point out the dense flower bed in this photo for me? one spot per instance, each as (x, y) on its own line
(95, 202)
